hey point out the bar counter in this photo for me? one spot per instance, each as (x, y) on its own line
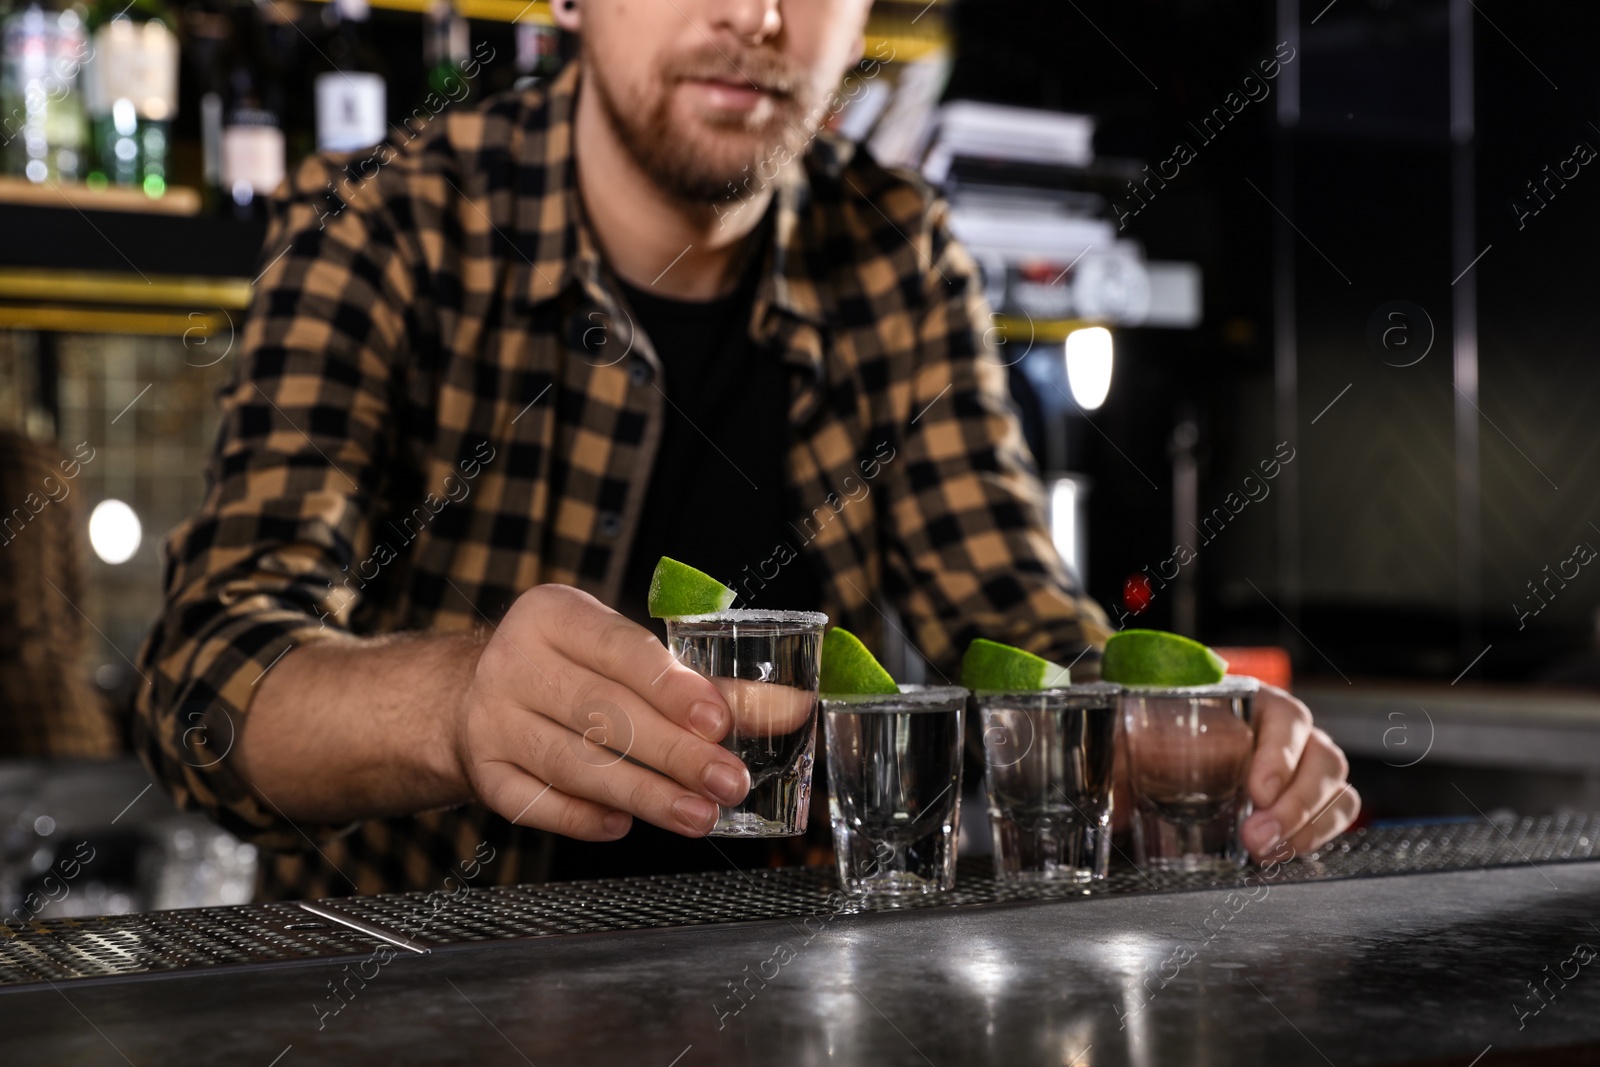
(1469, 942)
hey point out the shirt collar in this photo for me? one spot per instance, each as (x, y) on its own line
(551, 237)
(789, 285)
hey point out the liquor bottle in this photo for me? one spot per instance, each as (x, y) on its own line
(131, 92)
(208, 26)
(42, 51)
(252, 146)
(446, 45)
(538, 54)
(283, 62)
(352, 104)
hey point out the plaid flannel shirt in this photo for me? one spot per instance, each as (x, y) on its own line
(440, 402)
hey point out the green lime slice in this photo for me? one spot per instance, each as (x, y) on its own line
(848, 668)
(1155, 657)
(991, 665)
(678, 589)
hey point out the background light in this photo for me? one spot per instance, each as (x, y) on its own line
(1064, 519)
(1089, 358)
(1069, 494)
(114, 531)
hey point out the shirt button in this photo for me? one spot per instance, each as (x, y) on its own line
(610, 524)
(641, 372)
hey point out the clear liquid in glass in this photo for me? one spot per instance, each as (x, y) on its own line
(894, 779)
(1189, 754)
(766, 666)
(1048, 760)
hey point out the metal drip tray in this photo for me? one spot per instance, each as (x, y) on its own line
(117, 946)
(113, 945)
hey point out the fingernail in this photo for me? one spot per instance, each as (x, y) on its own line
(616, 824)
(1272, 786)
(1266, 835)
(726, 784)
(707, 720)
(698, 813)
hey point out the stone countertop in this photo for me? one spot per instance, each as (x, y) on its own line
(1418, 967)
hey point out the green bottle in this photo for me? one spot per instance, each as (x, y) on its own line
(446, 46)
(131, 93)
(43, 48)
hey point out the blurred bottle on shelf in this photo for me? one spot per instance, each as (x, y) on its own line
(208, 31)
(352, 96)
(446, 46)
(287, 33)
(538, 54)
(42, 52)
(131, 92)
(89, 89)
(253, 150)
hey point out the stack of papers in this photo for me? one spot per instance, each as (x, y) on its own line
(966, 128)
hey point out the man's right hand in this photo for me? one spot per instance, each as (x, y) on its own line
(578, 719)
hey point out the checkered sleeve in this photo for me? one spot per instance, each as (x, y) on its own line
(270, 560)
(969, 549)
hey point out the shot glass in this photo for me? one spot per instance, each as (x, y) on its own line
(1048, 759)
(894, 788)
(1189, 752)
(766, 665)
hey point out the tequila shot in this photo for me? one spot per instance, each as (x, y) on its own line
(766, 665)
(1048, 758)
(1189, 750)
(894, 788)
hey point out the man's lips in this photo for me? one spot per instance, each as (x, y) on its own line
(735, 94)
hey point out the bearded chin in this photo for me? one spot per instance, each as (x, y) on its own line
(684, 166)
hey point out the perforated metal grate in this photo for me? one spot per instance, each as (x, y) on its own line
(63, 949)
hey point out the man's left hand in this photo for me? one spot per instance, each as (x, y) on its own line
(1297, 781)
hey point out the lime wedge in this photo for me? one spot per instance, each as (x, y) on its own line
(848, 668)
(991, 665)
(1155, 657)
(678, 589)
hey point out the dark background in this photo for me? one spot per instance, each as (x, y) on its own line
(1365, 174)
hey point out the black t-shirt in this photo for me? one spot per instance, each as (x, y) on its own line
(718, 496)
(718, 500)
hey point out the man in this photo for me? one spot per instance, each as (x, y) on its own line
(642, 311)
